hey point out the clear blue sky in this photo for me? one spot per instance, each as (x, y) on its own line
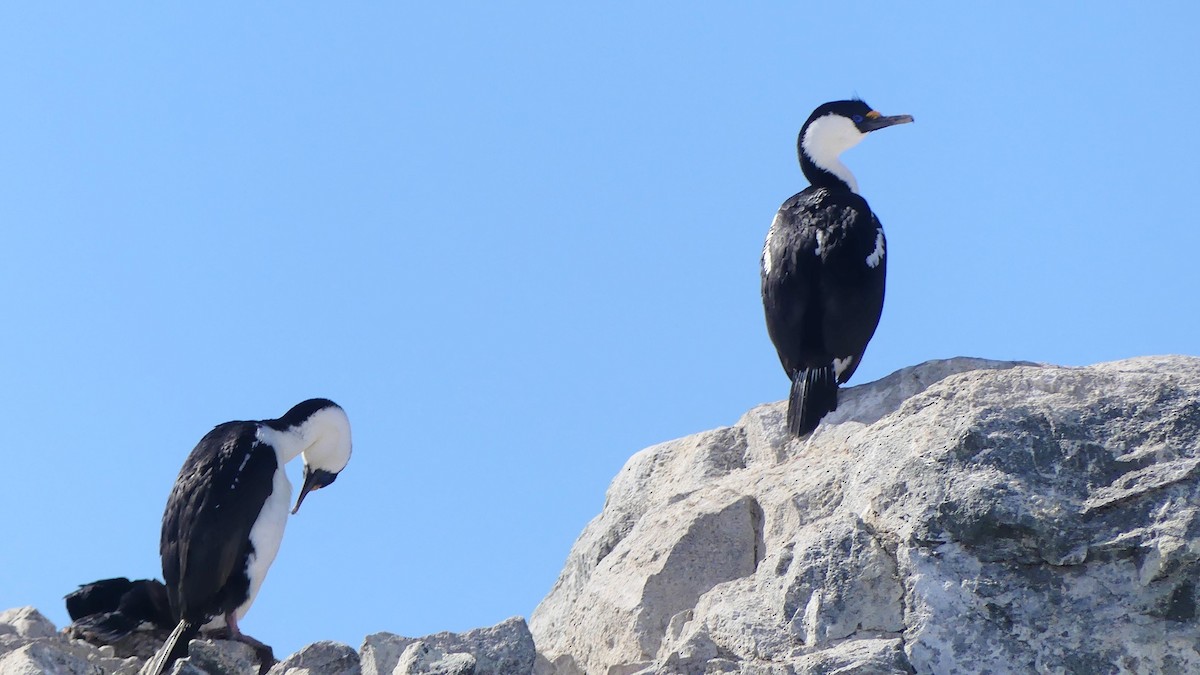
(519, 243)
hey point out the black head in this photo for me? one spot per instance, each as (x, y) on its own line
(314, 479)
(865, 118)
(319, 431)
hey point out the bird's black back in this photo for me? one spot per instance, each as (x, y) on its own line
(206, 527)
(821, 297)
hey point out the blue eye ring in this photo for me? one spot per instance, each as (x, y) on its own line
(857, 119)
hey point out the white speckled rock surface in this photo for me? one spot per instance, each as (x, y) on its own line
(958, 516)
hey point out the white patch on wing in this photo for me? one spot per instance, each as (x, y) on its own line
(820, 241)
(767, 263)
(238, 474)
(840, 366)
(826, 139)
(876, 256)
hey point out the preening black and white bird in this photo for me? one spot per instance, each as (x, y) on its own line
(824, 264)
(226, 514)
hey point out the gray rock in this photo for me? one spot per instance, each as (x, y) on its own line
(57, 654)
(217, 657)
(959, 516)
(183, 666)
(320, 658)
(43, 656)
(26, 622)
(420, 658)
(140, 644)
(504, 649)
(11, 642)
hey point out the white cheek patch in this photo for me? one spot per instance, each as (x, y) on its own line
(827, 138)
(876, 256)
(820, 242)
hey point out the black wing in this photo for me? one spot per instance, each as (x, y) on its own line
(206, 527)
(823, 273)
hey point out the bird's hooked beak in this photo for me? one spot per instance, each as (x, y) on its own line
(313, 480)
(874, 121)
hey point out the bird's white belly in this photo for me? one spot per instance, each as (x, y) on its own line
(266, 535)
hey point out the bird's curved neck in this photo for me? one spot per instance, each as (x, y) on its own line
(820, 146)
(323, 438)
(833, 175)
(288, 444)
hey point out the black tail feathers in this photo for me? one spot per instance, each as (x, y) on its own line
(97, 597)
(175, 648)
(813, 395)
(107, 610)
(106, 627)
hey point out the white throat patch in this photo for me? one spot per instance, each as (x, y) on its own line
(827, 138)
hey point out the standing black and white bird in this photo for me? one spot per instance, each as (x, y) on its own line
(824, 265)
(225, 517)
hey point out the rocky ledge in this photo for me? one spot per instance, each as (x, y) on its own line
(960, 516)
(30, 644)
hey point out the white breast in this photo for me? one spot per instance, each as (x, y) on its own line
(266, 535)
